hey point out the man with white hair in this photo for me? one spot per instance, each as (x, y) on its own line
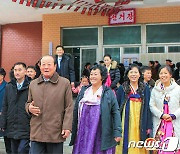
(51, 106)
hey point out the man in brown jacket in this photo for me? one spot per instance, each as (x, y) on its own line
(51, 106)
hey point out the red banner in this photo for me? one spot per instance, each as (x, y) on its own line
(62, 5)
(35, 3)
(84, 10)
(97, 1)
(28, 3)
(21, 1)
(77, 8)
(92, 7)
(55, 4)
(42, 4)
(48, 4)
(89, 11)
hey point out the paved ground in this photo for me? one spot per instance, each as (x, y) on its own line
(2, 149)
(67, 148)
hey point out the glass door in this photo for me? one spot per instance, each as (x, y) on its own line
(75, 52)
(87, 55)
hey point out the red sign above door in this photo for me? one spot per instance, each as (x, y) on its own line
(125, 16)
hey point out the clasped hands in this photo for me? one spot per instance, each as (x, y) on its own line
(167, 117)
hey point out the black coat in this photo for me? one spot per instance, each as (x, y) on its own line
(115, 77)
(176, 74)
(67, 67)
(15, 119)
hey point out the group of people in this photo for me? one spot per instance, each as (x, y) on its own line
(38, 115)
(37, 108)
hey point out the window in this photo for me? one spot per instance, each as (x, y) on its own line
(133, 50)
(114, 52)
(164, 33)
(122, 35)
(172, 49)
(155, 49)
(80, 36)
(88, 55)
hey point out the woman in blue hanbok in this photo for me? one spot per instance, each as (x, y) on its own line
(133, 98)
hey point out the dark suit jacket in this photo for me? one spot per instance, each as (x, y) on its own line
(67, 67)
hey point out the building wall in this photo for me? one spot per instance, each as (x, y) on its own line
(21, 42)
(52, 23)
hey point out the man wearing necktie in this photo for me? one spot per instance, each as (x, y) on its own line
(15, 119)
(65, 66)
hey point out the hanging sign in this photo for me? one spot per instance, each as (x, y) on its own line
(124, 16)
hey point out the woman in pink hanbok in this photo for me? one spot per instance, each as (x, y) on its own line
(165, 107)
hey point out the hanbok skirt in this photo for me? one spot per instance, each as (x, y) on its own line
(88, 140)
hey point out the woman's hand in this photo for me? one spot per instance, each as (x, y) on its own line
(165, 116)
(169, 119)
(117, 139)
(148, 131)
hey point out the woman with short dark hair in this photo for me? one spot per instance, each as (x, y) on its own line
(96, 119)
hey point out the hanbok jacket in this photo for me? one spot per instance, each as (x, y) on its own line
(109, 111)
(145, 119)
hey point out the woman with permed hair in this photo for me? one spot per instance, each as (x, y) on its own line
(96, 119)
(133, 98)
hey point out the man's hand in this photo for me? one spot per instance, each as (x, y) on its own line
(34, 109)
(65, 133)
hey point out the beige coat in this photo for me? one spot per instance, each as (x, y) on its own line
(54, 98)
